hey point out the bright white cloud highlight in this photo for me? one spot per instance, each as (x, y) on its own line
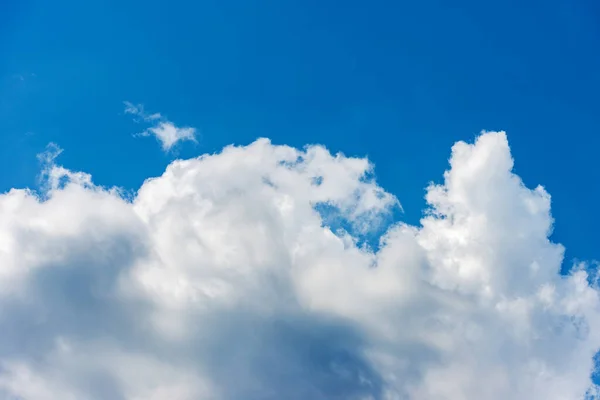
(220, 281)
(165, 131)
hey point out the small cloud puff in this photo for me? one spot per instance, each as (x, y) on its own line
(221, 280)
(164, 130)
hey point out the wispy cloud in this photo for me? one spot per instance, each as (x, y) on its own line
(24, 76)
(167, 133)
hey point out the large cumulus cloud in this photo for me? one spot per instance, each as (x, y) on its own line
(224, 279)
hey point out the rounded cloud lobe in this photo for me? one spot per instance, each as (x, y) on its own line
(221, 280)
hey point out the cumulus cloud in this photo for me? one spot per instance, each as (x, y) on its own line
(220, 279)
(165, 131)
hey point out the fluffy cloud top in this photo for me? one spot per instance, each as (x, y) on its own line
(220, 280)
(165, 131)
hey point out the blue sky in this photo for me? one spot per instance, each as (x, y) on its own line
(397, 81)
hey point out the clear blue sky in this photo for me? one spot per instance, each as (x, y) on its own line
(397, 81)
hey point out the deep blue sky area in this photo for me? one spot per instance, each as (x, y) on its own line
(397, 81)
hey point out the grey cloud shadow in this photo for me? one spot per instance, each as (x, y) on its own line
(302, 356)
(74, 299)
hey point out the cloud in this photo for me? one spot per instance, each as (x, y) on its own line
(24, 76)
(167, 133)
(220, 280)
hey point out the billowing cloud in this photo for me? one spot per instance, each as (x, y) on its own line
(165, 131)
(221, 280)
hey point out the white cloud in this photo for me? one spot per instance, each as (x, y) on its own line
(219, 281)
(167, 133)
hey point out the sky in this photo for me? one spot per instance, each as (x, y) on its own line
(279, 237)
